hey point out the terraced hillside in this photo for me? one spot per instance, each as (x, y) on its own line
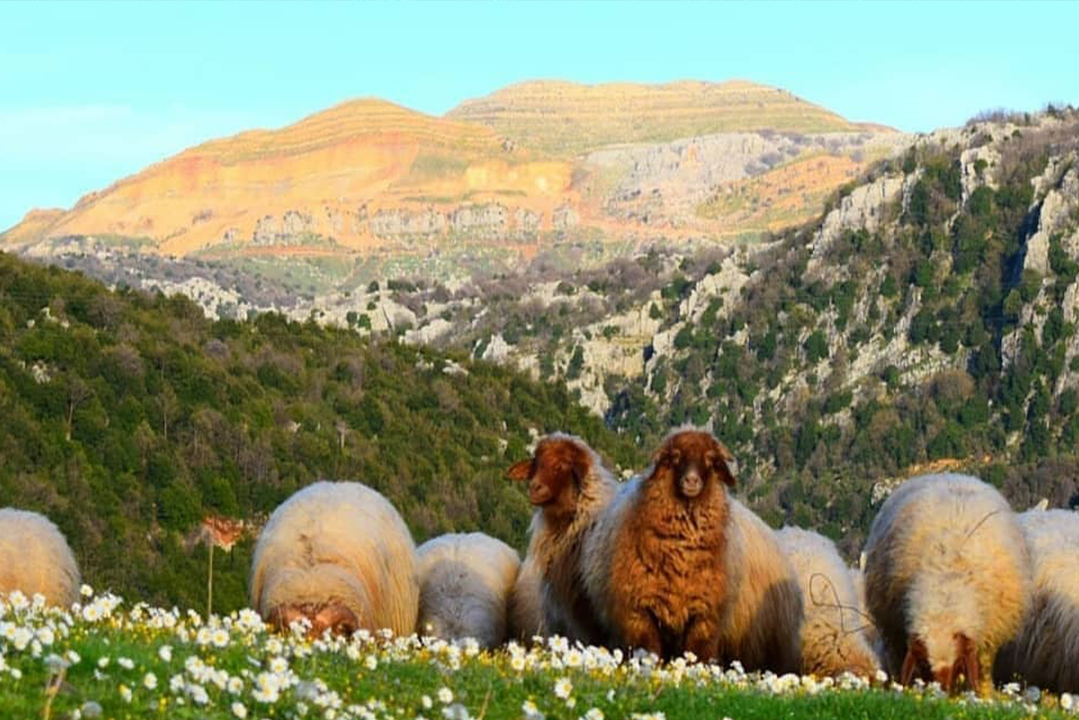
(370, 189)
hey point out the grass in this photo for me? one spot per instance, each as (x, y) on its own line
(142, 662)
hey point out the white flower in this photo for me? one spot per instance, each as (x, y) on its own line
(562, 688)
(426, 702)
(235, 686)
(125, 663)
(517, 663)
(86, 591)
(370, 662)
(91, 613)
(445, 696)
(103, 662)
(165, 653)
(593, 714)
(278, 665)
(46, 635)
(531, 712)
(220, 638)
(239, 710)
(125, 693)
(149, 681)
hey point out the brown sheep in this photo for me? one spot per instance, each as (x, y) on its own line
(656, 560)
(569, 486)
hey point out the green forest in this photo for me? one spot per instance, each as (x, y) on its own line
(127, 418)
(957, 264)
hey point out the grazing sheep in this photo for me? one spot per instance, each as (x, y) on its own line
(526, 619)
(947, 579)
(36, 559)
(465, 585)
(868, 629)
(1046, 651)
(338, 555)
(763, 629)
(832, 641)
(568, 485)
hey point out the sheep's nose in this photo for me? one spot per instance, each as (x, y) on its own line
(691, 484)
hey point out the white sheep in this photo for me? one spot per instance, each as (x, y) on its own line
(526, 616)
(832, 639)
(1046, 651)
(338, 555)
(763, 631)
(36, 559)
(947, 579)
(465, 585)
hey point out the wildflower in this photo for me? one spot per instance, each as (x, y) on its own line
(103, 662)
(90, 709)
(531, 712)
(235, 686)
(165, 653)
(562, 688)
(220, 638)
(125, 663)
(594, 714)
(278, 665)
(445, 696)
(1068, 702)
(457, 711)
(239, 710)
(426, 702)
(370, 662)
(46, 635)
(125, 693)
(149, 681)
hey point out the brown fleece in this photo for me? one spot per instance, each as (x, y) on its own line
(667, 569)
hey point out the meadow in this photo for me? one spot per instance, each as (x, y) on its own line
(109, 658)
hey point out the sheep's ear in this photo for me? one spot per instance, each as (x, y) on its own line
(721, 463)
(520, 471)
(666, 455)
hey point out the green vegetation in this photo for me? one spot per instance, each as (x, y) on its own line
(126, 418)
(148, 663)
(811, 456)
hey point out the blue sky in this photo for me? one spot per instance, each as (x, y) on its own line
(90, 92)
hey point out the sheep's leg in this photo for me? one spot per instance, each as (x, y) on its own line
(641, 631)
(702, 638)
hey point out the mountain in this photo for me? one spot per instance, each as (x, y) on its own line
(557, 117)
(129, 418)
(368, 189)
(926, 320)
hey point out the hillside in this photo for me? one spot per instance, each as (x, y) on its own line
(127, 418)
(368, 189)
(926, 320)
(558, 117)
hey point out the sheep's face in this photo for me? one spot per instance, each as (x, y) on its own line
(554, 474)
(695, 462)
(336, 618)
(949, 665)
